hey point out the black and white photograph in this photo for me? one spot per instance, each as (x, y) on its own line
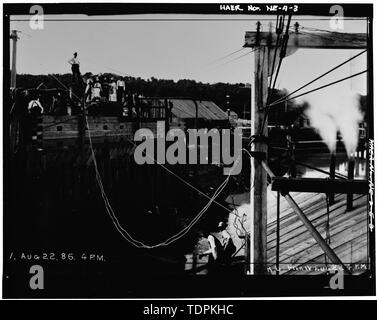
(202, 150)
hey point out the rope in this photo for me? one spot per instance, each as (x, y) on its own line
(124, 233)
(241, 220)
(171, 172)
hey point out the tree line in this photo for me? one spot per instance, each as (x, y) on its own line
(235, 97)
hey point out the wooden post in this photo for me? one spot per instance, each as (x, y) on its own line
(196, 113)
(332, 175)
(167, 116)
(14, 37)
(277, 232)
(260, 41)
(351, 169)
(247, 253)
(260, 176)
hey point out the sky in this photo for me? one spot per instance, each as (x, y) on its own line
(173, 49)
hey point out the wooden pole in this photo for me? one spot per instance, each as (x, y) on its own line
(14, 37)
(277, 232)
(260, 176)
(247, 253)
(196, 113)
(351, 169)
(332, 175)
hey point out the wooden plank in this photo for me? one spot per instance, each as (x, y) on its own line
(292, 232)
(311, 40)
(317, 185)
(359, 243)
(342, 230)
(298, 243)
(288, 217)
(359, 251)
(314, 212)
(313, 231)
(301, 249)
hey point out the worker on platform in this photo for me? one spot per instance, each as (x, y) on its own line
(35, 107)
(89, 90)
(121, 89)
(221, 249)
(97, 89)
(113, 91)
(75, 67)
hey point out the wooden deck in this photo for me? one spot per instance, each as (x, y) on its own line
(299, 253)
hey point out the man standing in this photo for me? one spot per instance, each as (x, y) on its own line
(121, 88)
(75, 63)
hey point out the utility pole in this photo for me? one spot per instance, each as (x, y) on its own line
(260, 41)
(259, 208)
(14, 37)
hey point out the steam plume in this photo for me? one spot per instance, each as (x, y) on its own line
(330, 112)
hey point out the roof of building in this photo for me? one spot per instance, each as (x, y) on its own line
(185, 108)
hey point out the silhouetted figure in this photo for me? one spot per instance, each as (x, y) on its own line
(35, 107)
(121, 88)
(221, 249)
(75, 67)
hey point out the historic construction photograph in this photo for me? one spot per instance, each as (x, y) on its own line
(188, 150)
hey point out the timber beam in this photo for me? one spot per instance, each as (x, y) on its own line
(309, 40)
(317, 185)
(308, 224)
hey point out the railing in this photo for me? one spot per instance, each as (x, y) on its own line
(151, 108)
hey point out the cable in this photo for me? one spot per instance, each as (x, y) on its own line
(235, 225)
(279, 30)
(125, 234)
(282, 54)
(225, 63)
(321, 87)
(226, 56)
(178, 177)
(109, 68)
(317, 78)
(245, 54)
(283, 50)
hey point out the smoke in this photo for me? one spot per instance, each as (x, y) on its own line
(333, 111)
